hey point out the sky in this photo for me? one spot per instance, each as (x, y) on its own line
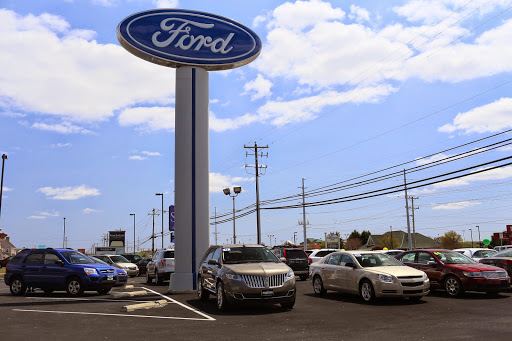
(340, 90)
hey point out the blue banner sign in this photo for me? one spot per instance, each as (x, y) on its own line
(171, 218)
(176, 37)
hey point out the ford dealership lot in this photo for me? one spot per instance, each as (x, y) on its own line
(37, 316)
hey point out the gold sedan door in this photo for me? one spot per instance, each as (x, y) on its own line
(345, 275)
(329, 268)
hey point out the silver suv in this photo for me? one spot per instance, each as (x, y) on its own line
(161, 266)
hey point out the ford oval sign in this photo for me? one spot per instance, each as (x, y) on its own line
(175, 37)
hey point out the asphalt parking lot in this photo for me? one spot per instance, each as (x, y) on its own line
(37, 316)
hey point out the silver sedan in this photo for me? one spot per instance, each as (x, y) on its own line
(369, 274)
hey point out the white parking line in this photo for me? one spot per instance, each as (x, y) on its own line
(83, 299)
(122, 315)
(181, 304)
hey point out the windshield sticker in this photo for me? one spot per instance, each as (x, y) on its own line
(437, 253)
(226, 249)
(357, 255)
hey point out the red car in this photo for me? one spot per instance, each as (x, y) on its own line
(3, 262)
(456, 273)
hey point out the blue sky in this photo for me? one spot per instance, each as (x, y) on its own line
(341, 89)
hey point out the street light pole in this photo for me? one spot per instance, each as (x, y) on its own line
(471, 237)
(227, 191)
(4, 157)
(64, 238)
(479, 239)
(162, 195)
(133, 214)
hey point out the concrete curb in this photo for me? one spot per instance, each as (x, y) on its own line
(148, 305)
(130, 293)
(130, 286)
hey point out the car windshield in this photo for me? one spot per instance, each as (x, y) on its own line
(452, 257)
(97, 260)
(234, 255)
(75, 257)
(169, 254)
(368, 260)
(119, 259)
(485, 253)
(504, 253)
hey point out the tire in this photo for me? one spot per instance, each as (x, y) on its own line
(202, 294)
(104, 291)
(453, 286)
(48, 291)
(74, 287)
(366, 291)
(288, 305)
(148, 279)
(17, 287)
(222, 303)
(318, 286)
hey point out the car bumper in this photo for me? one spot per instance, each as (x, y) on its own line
(401, 289)
(132, 272)
(239, 292)
(484, 284)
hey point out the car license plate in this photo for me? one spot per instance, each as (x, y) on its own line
(267, 293)
(110, 277)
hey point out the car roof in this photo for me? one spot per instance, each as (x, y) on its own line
(325, 250)
(472, 249)
(358, 252)
(238, 245)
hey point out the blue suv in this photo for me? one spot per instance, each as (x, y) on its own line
(58, 269)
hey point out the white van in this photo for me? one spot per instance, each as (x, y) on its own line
(503, 247)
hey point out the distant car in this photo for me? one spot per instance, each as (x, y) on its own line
(57, 269)
(161, 266)
(369, 274)
(142, 264)
(120, 262)
(245, 273)
(502, 247)
(122, 276)
(297, 259)
(456, 273)
(140, 261)
(318, 254)
(477, 253)
(3, 262)
(501, 259)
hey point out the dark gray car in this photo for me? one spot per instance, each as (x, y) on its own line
(245, 273)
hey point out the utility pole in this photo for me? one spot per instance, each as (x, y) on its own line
(294, 238)
(162, 195)
(153, 235)
(133, 214)
(471, 237)
(257, 168)
(304, 216)
(413, 224)
(216, 233)
(407, 210)
(479, 239)
(64, 238)
(391, 228)
(270, 239)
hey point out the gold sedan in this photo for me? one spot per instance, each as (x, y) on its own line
(369, 274)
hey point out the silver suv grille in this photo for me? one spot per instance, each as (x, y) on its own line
(494, 274)
(274, 281)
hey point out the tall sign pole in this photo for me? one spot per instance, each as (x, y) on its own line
(194, 43)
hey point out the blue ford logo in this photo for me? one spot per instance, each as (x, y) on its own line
(174, 38)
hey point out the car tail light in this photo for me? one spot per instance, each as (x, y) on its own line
(310, 260)
(284, 253)
(163, 262)
(505, 262)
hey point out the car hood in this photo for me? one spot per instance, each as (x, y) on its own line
(397, 271)
(474, 267)
(258, 269)
(125, 264)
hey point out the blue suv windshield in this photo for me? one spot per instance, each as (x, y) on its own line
(75, 257)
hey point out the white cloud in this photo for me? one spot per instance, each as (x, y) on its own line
(148, 119)
(494, 174)
(6, 189)
(61, 128)
(260, 86)
(44, 215)
(359, 14)
(258, 20)
(137, 157)
(166, 3)
(73, 76)
(220, 181)
(145, 152)
(69, 193)
(492, 117)
(90, 210)
(301, 14)
(61, 145)
(12, 114)
(224, 124)
(36, 217)
(455, 205)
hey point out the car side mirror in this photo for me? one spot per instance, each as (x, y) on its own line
(431, 262)
(351, 265)
(213, 262)
(282, 259)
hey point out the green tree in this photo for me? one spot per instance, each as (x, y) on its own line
(451, 240)
(355, 234)
(390, 242)
(364, 237)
